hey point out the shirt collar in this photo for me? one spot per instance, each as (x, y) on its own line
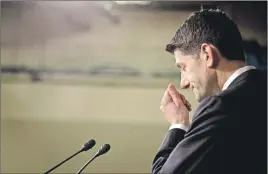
(235, 75)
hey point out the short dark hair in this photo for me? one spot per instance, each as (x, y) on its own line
(211, 27)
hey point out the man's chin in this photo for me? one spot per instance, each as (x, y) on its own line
(196, 94)
(198, 97)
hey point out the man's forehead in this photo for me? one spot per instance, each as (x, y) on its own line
(177, 52)
(179, 56)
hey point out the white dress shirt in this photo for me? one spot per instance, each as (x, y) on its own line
(225, 86)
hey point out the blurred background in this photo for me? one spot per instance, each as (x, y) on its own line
(78, 70)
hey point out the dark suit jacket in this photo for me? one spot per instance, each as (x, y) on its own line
(227, 136)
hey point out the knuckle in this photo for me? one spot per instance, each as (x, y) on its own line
(173, 92)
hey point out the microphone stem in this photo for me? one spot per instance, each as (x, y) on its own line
(80, 171)
(63, 162)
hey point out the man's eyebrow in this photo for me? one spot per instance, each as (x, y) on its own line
(179, 64)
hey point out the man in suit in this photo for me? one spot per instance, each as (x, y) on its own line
(227, 134)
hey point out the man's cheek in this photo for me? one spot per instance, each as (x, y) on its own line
(191, 78)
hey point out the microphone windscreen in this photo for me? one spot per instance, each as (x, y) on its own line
(105, 148)
(89, 145)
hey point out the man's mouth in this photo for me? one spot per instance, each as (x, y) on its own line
(192, 87)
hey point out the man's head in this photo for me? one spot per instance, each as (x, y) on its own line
(207, 46)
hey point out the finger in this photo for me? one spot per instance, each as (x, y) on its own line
(188, 103)
(188, 107)
(183, 99)
(175, 95)
(166, 98)
(162, 108)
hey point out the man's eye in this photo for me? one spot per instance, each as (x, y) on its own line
(182, 68)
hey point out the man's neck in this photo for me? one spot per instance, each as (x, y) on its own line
(227, 71)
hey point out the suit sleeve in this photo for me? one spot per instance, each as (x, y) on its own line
(190, 152)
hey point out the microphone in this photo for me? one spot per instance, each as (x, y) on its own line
(104, 149)
(85, 147)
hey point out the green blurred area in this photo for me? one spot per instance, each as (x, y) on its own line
(43, 123)
(34, 146)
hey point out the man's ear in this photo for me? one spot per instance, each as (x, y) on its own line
(209, 55)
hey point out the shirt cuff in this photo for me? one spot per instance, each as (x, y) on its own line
(178, 126)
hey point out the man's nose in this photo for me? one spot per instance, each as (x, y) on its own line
(184, 83)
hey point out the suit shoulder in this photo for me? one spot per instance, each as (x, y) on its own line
(211, 114)
(208, 104)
